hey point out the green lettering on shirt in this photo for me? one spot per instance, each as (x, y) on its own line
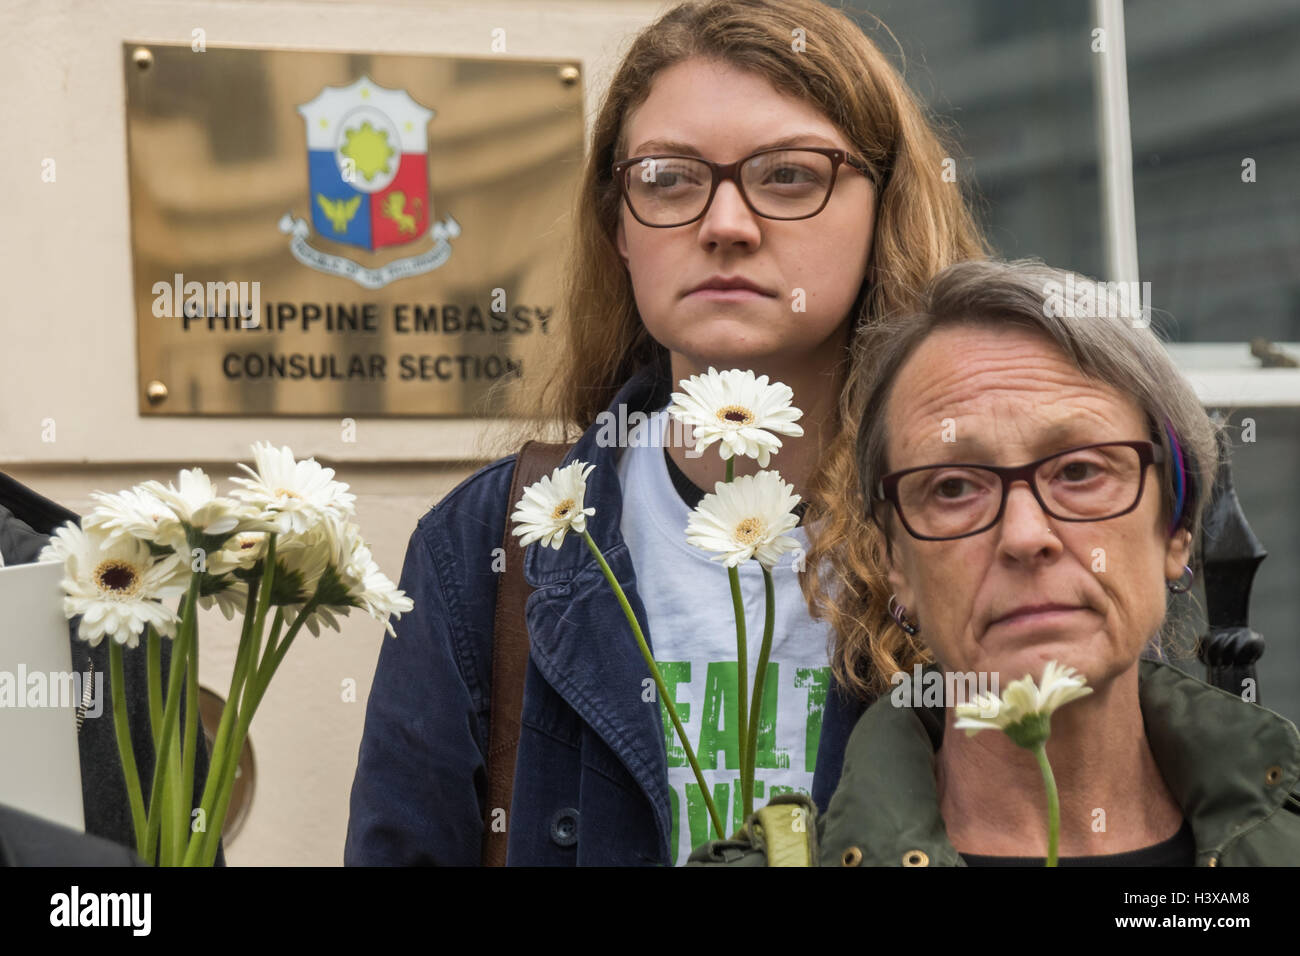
(720, 698)
(674, 673)
(817, 680)
(767, 755)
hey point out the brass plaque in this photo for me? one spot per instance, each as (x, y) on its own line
(345, 233)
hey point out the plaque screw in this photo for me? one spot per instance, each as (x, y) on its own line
(156, 392)
(142, 57)
(569, 75)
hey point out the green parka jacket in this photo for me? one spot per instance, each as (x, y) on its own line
(1232, 765)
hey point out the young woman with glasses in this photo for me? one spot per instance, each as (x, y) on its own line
(760, 186)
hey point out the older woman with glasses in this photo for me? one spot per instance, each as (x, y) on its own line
(1038, 475)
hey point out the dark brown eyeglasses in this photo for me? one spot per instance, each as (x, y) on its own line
(663, 191)
(1088, 483)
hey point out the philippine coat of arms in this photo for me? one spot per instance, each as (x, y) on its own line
(368, 177)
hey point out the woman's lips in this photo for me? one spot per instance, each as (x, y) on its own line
(727, 295)
(1038, 617)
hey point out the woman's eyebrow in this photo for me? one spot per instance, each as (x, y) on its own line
(1047, 441)
(686, 149)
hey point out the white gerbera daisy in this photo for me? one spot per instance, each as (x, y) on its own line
(117, 586)
(737, 410)
(746, 518)
(200, 509)
(552, 506)
(1024, 710)
(301, 560)
(335, 564)
(135, 512)
(373, 591)
(297, 494)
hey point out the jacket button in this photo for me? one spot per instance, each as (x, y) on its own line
(852, 857)
(564, 827)
(916, 858)
(1273, 775)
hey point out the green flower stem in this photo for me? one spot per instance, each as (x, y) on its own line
(154, 665)
(760, 678)
(184, 820)
(659, 683)
(273, 643)
(1053, 803)
(276, 623)
(256, 688)
(742, 675)
(264, 591)
(216, 767)
(180, 651)
(222, 752)
(283, 647)
(173, 827)
(177, 799)
(742, 691)
(116, 677)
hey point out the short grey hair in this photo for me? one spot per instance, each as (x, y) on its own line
(1111, 345)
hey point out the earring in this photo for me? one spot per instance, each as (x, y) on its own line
(1179, 587)
(899, 614)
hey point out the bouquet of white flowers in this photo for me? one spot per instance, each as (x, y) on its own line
(286, 539)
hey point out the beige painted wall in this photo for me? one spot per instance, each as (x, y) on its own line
(68, 352)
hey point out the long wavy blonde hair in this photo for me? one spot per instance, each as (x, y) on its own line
(922, 225)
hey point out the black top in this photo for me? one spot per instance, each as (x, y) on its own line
(1178, 850)
(693, 494)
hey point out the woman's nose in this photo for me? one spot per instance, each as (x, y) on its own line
(729, 218)
(1025, 527)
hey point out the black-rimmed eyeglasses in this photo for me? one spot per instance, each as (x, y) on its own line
(778, 183)
(1088, 483)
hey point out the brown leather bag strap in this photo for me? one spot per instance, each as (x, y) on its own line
(510, 655)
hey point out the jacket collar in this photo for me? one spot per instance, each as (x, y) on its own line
(1214, 750)
(601, 445)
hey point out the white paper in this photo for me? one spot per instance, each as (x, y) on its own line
(40, 766)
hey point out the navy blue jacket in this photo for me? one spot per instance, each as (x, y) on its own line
(591, 777)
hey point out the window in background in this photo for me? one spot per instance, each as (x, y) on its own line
(1211, 85)
(1012, 82)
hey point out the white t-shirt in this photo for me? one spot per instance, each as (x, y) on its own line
(692, 632)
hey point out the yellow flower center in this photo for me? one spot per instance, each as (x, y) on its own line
(286, 493)
(562, 509)
(748, 530)
(117, 577)
(735, 415)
